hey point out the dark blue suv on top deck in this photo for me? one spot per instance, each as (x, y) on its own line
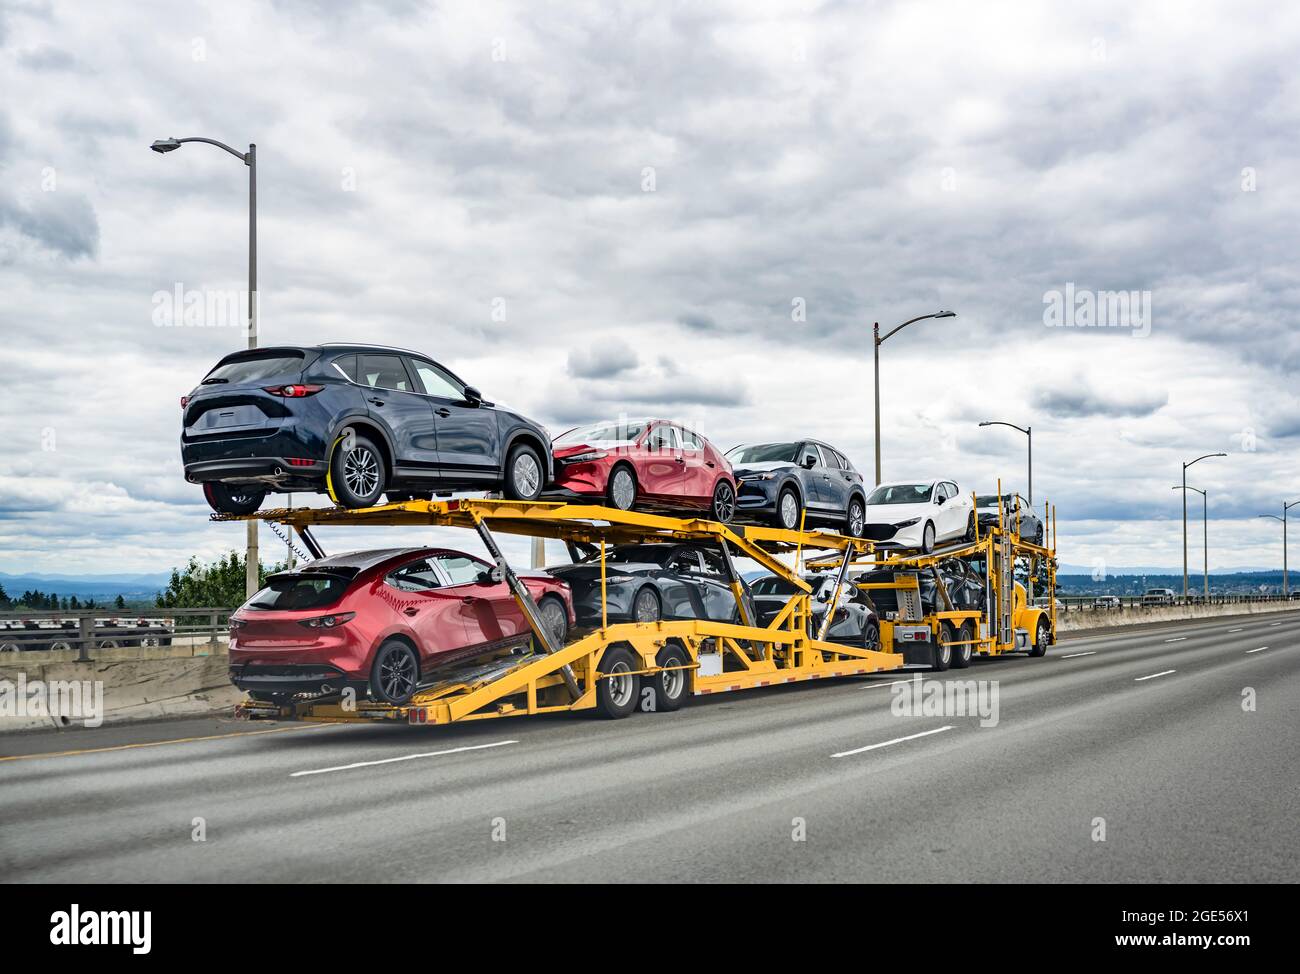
(353, 421)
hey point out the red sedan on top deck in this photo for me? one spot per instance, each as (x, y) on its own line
(655, 464)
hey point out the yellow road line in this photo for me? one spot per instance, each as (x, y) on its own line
(176, 740)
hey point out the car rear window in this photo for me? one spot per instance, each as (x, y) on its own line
(772, 585)
(253, 369)
(286, 592)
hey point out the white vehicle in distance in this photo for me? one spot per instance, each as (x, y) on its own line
(1043, 602)
(917, 516)
(1106, 602)
(1158, 596)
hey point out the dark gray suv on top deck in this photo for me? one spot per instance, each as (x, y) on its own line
(357, 421)
(782, 482)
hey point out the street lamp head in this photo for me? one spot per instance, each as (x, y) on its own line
(165, 145)
(946, 314)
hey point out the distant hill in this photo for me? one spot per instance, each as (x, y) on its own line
(1222, 583)
(131, 587)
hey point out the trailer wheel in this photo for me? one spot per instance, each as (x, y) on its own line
(10, 648)
(962, 654)
(617, 692)
(60, 646)
(671, 687)
(943, 651)
(1040, 640)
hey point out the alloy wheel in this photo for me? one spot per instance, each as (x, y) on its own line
(622, 489)
(554, 619)
(857, 519)
(527, 475)
(724, 502)
(361, 472)
(397, 675)
(646, 608)
(789, 511)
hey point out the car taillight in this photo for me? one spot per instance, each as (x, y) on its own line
(293, 391)
(237, 623)
(300, 462)
(332, 621)
(185, 401)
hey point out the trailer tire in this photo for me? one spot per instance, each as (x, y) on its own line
(671, 687)
(942, 651)
(1040, 639)
(961, 656)
(619, 691)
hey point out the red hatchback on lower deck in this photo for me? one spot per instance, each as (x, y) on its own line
(381, 622)
(655, 464)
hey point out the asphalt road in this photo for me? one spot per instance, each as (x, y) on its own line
(1143, 729)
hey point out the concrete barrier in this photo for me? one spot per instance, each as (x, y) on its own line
(1136, 615)
(133, 689)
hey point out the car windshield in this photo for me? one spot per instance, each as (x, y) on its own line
(900, 494)
(287, 592)
(601, 433)
(639, 554)
(772, 585)
(764, 453)
(991, 500)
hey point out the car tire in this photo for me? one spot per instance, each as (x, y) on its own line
(646, 606)
(789, 510)
(233, 500)
(621, 490)
(961, 655)
(10, 648)
(525, 475)
(723, 507)
(671, 687)
(942, 652)
(970, 529)
(556, 617)
(1039, 647)
(356, 473)
(1038, 536)
(855, 520)
(619, 689)
(927, 538)
(871, 636)
(395, 673)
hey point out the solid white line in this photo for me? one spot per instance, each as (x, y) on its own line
(877, 686)
(1091, 652)
(1154, 675)
(1260, 650)
(1238, 629)
(1275, 623)
(1176, 639)
(405, 757)
(896, 740)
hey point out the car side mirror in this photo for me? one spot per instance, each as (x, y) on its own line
(808, 463)
(473, 396)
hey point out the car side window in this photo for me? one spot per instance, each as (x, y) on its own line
(459, 569)
(415, 576)
(382, 372)
(347, 364)
(684, 560)
(833, 459)
(713, 564)
(689, 440)
(661, 438)
(437, 382)
(940, 493)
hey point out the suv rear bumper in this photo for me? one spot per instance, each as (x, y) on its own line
(267, 471)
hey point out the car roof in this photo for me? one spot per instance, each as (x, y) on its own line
(359, 561)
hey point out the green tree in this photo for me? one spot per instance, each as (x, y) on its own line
(218, 584)
(4, 599)
(119, 603)
(74, 603)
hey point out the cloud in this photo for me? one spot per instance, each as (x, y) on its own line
(602, 360)
(64, 222)
(1076, 400)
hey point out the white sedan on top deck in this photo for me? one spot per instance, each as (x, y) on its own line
(919, 515)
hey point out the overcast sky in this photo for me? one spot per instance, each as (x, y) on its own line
(694, 210)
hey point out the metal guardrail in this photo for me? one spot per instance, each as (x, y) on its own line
(1087, 603)
(109, 632)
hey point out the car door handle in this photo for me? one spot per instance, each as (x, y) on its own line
(709, 463)
(410, 610)
(375, 399)
(443, 411)
(468, 599)
(681, 460)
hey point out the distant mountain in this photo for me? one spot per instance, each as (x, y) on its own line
(131, 587)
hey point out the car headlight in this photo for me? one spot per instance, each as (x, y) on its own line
(907, 524)
(758, 476)
(585, 457)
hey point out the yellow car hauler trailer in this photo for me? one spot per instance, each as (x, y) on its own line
(614, 668)
(1004, 622)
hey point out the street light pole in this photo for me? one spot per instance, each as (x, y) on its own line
(1029, 432)
(877, 340)
(1205, 534)
(1185, 466)
(1286, 587)
(249, 159)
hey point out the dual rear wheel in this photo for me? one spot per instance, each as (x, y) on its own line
(621, 688)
